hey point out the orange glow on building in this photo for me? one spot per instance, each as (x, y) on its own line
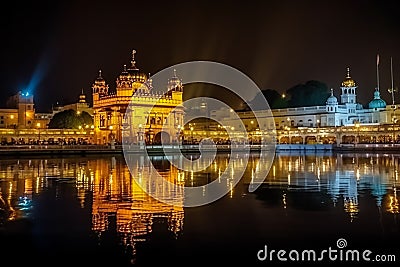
(135, 87)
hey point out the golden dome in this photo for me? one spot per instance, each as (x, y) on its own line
(348, 81)
(133, 72)
(132, 77)
(175, 83)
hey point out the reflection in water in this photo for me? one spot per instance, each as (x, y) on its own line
(341, 176)
(119, 205)
(117, 196)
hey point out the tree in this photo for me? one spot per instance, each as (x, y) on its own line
(274, 99)
(312, 93)
(69, 119)
(86, 118)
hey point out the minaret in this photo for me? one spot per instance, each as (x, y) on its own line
(348, 88)
(99, 88)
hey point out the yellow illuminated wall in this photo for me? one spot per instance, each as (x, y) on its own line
(135, 87)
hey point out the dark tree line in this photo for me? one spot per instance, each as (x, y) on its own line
(311, 93)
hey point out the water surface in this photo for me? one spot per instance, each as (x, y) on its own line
(90, 210)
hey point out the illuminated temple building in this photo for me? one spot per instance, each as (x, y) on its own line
(334, 113)
(134, 90)
(339, 120)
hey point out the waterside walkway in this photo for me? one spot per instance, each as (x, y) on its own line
(157, 149)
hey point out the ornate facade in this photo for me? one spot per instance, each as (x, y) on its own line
(135, 93)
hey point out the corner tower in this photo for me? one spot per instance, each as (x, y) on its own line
(99, 88)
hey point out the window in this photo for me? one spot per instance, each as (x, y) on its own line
(102, 121)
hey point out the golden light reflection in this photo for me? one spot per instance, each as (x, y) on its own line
(118, 200)
(132, 209)
(351, 207)
(274, 171)
(393, 205)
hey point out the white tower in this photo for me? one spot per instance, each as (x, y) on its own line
(348, 90)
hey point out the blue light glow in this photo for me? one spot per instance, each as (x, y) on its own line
(39, 73)
(25, 94)
(24, 202)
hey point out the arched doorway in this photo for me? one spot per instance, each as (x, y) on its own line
(162, 138)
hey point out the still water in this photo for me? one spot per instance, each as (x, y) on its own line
(90, 210)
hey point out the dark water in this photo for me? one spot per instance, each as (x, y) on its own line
(90, 210)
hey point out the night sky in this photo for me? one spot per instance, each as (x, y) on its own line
(56, 48)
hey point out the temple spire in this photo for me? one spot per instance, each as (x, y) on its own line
(348, 73)
(377, 71)
(133, 62)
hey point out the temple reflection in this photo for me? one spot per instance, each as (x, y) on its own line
(116, 196)
(342, 176)
(113, 191)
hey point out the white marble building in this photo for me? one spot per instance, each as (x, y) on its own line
(346, 112)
